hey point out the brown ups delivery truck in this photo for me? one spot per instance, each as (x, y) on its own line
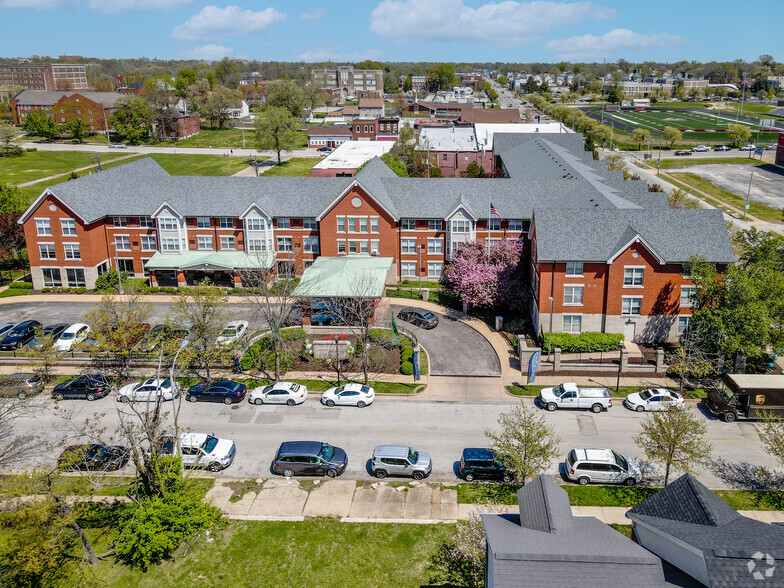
(746, 396)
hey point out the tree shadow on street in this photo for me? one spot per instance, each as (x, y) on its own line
(743, 475)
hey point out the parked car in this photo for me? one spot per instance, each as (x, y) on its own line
(232, 333)
(165, 333)
(653, 399)
(148, 390)
(117, 146)
(5, 327)
(772, 147)
(325, 318)
(722, 148)
(74, 334)
(418, 317)
(325, 149)
(53, 331)
(569, 395)
(309, 458)
(279, 393)
(682, 152)
(746, 148)
(603, 466)
(700, 148)
(21, 385)
(95, 457)
(199, 450)
(19, 335)
(481, 464)
(747, 396)
(400, 460)
(224, 391)
(350, 394)
(88, 387)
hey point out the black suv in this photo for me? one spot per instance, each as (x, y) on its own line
(89, 387)
(481, 464)
(107, 458)
(19, 336)
(224, 391)
(309, 458)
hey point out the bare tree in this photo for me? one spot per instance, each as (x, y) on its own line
(45, 354)
(771, 432)
(18, 443)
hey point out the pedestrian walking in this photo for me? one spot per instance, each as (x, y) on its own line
(237, 364)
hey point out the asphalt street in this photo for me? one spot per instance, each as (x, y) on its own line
(441, 429)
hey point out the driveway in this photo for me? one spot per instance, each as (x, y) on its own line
(454, 348)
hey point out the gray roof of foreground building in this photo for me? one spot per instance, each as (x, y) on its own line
(545, 545)
(690, 513)
(597, 235)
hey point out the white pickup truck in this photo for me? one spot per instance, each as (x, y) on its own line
(569, 395)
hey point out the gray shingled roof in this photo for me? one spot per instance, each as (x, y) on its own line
(48, 98)
(597, 235)
(690, 513)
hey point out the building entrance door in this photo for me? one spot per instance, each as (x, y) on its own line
(628, 331)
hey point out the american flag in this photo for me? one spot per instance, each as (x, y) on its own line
(495, 212)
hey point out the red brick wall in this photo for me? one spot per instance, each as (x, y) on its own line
(452, 163)
(364, 129)
(77, 106)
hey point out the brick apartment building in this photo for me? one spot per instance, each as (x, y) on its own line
(373, 129)
(179, 230)
(94, 108)
(355, 83)
(49, 77)
(462, 113)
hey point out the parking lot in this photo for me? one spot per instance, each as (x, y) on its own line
(767, 185)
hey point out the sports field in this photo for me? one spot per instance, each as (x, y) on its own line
(695, 125)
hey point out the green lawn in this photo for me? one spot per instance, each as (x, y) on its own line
(297, 166)
(318, 552)
(232, 138)
(85, 484)
(761, 211)
(686, 162)
(41, 164)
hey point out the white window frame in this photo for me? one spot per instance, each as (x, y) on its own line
(572, 267)
(284, 222)
(52, 282)
(145, 222)
(408, 224)
(374, 246)
(168, 223)
(228, 243)
(624, 300)
(435, 225)
(687, 303)
(49, 248)
(515, 225)
(493, 224)
(571, 322)
(435, 246)
(288, 244)
(72, 251)
(205, 243)
(202, 222)
(310, 245)
(68, 227)
(341, 224)
(633, 274)
(120, 242)
(226, 222)
(170, 244)
(408, 269)
(256, 245)
(374, 224)
(255, 224)
(408, 246)
(309, 223)
(575, 288)
(43, 227)
(341, 247)
(458, 226)
(120, 221)
(432, 266)
(76, 283)
(683, 324)
(146, 239)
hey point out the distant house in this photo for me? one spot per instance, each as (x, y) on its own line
(243, 111)
(453, 149)
(462, 112)
(546, 546)
(350, 112)
(178, 125)
(371, 107)
(690, 527)
(331, 136)
(94, 108)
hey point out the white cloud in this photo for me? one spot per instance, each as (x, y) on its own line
(208, 52)
(329, 52)
(103, 6)
(610, 44)
(35, 4)
(213, 23)
(504, 23)
(315, 14)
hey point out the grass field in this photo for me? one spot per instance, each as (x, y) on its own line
(761, 211)
(694, 125)
(297, 166)
(232, 139)
(41, 164)
(688, 161)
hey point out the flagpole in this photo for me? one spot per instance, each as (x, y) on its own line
(489, 206)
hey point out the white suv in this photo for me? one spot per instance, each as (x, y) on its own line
(200, 450)
(603, 466)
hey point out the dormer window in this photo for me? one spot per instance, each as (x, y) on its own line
(168, 223)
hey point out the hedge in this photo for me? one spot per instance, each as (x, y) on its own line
(587, 342)
(21, 285)
(407, 368)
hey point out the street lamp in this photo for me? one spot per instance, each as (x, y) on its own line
(620, 361)
(419, 267)
(337, 357)
(748, 195)
(183, 345)
(550, 334)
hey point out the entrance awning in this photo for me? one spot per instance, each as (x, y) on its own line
(209, 261)
(350, 276)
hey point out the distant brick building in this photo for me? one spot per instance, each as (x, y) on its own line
(355, 83)
(94, 108)
(49, 77)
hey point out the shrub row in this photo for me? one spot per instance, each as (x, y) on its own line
(584, 342)
(62, 290)
(20, 285)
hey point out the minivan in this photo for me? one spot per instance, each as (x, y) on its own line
(309, 458)
(400, 460)
(601, 466)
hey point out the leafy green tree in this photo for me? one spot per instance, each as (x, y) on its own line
(615, 162)
(407, 84)
(474, 170)
(78, 129)
(45, 355)
(12, 240)
(395, 164)
(131, 119)
(185, 78)
(442, 76)
(197, 93)
(640, 136)
(218, 103)
(674, 437)
(615, 95)
(739, 133)
(771, 433)
(531, 86)
(672, 135)
(276, 129)
(503, 80)
(525, 442)
(8, 138)
(286, 95)
(40, 123)
(678, 198)
(493, 95)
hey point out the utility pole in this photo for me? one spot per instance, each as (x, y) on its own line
(748, 195)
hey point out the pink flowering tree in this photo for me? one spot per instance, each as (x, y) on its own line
(488, 280)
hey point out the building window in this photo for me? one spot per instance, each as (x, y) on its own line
(168, 223)
(226, 222)
(103, 268)
(284, 223)
(170, 244)
(683, 324)
(574, 269)
(255, 224)
(256, 245)
(145, 222)
(126, 265)
(374, 224)
(284, 244)
(572, 323)
(311, 244)
(204, 242)
(229, 243)
(148, 242)
(632, 277)
(75, 277)
(374, 247)
(444, 156)
(47, 250)
(42, 226)
(461, 226)
(493, 224)
(434, 269)
(72, 251)
(69, 227)
(408, 269)
(363, 225)
(408, 224)
(309, 223)
(435, 245)
(631, 305)
(122, 242)
(435, 225)
(341, 246)
(687, 296)
(341, 224)
(573, 295)
(203, 222)
(120, 221)
(408, 245)
(51, 277)
(515, 225)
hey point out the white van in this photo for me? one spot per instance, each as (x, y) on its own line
(601, 466)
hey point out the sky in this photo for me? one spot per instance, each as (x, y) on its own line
(395, 30)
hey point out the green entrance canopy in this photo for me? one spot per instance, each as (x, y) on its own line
(209, 261)
(350, 276)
